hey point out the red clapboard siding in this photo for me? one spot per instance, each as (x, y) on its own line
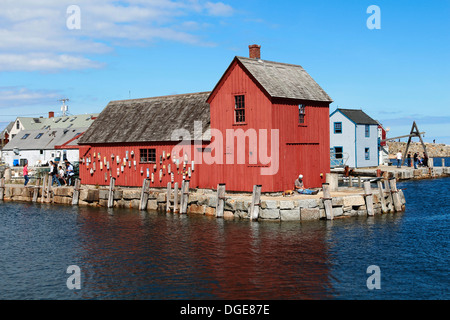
(303, 148)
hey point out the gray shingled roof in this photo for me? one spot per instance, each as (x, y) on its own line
(358, 116)
(47, 141)
(7, 129)
(75, 121)
(149, 119)
(283, 80)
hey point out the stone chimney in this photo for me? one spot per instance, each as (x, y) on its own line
(51, 114)
(254, 51)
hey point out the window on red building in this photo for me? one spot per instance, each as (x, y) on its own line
(147, 155)
(239, 108)
(301, 113)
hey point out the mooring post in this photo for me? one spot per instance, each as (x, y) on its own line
(175, 198)
(395, 195)
(169, 193)
(44, 184)
(2, 188)
(359, 182)
(112, 182)
(76, 192)
(327, 201)
(181, 195)
(256, 202)
(368, 196)
(387, 187)
(220, 200)
(382, 195)
(49, 188)
(185, 197)
(36, 189)
(144, 195)
(443, 162)
(350, 181)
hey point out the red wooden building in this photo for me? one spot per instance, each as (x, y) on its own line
(263, 123)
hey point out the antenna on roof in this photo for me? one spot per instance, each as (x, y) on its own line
(64, 107)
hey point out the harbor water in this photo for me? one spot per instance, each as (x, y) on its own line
(127, 254)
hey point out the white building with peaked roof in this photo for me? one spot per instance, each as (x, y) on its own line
(36, 141)
(354, 139)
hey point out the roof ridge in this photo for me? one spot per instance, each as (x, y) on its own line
(165, 97)
(269, 61)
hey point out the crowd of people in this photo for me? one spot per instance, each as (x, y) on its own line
(413, 160)
(62, 174)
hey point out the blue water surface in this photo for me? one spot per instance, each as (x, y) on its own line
(127, 254)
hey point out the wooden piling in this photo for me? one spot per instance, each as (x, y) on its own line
(112, 182)
(368, 196)
(382, 196)
(256, 202)
(327, 201)
(76, 192)
(49, 188)
(169, 193)
(220, 200)
(181, 195)
(389, 193)
(44, 186)
(36, 189)
(185, 197)
(175, 198)
(2, 188)
(144, 195)
(395, 195)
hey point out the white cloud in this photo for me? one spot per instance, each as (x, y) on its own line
(219, 9)
(19, 96)
(34, 35)
(45, 61)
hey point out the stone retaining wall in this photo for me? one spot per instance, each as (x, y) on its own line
(204, 202)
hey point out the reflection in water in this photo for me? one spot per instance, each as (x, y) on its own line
(126, 254)
(151, 256)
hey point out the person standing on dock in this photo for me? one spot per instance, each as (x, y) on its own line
(54, 173)
(409, 159)
(416, 159)
(425, 160)
(70, 173)
(25, 174)
(399, 159)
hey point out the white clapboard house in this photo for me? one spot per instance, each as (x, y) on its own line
(354, 139)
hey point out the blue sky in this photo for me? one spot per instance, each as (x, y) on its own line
(143, 48)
